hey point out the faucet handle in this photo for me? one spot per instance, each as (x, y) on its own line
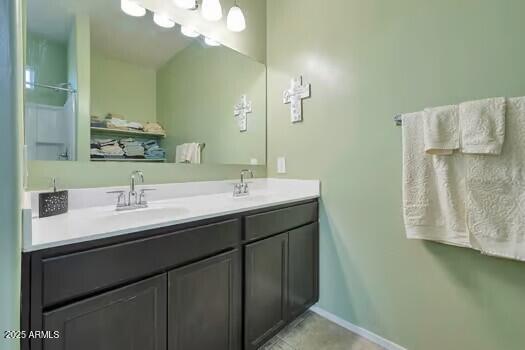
(120, 198)
(116, 192)
(142, 194)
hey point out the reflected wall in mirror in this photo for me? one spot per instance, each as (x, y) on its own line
(105, 86)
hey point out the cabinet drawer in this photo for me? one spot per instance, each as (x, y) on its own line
(281, 220)
(74, 275)
(132, 317)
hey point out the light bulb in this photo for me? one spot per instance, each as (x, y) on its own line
(189, 32)
(211, 42)
(163, 20)
(235, 21)
(186, 4)
(132, 8)
(211, 10)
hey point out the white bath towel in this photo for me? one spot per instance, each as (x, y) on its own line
(433, 189)
(441, 130)
(188, 153)
(482, 125)
(496, 191)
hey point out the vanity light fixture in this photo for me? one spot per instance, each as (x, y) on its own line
(211, 10)
(132, 8)
(163, 21)
(189, 31)
(211, 42)
(235, 20)
(186, 4)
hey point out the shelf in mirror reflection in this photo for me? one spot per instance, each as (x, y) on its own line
(124, 132)
(127, 160)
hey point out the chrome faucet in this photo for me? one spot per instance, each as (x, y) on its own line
(241, 189)
(132, 184)
(135, 200)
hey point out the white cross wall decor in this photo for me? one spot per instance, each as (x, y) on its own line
(241, 110)
(294, 96)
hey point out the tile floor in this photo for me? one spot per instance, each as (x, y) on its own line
(313, 332)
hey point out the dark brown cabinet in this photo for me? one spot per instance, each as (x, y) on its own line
(281, 281)
(303, 269)
(265, 289)
(227, 283)
(133, 317)
(204, 304)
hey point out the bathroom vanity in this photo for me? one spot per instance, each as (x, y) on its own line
(188, 266)
(223, 281)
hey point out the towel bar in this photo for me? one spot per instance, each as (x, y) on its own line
(398, 120)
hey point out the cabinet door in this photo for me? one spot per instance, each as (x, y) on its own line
(132, 317)
(204, 304)
(265, 300)
(303, 269)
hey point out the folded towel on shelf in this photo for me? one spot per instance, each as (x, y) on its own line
(114, 150)
(433, 189)
(98, 122)
(496, 189)
(441, 130)
(96, 153)
(188, 153)
(128, 142)
(154, 128)
(152, 150)
(150, 144)
(132, 151)
(482, 125)
(158, 153)
(106, 142)
(115, 116)
(135, 126)
(116, 123)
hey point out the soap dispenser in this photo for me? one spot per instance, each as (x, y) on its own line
(52, 203)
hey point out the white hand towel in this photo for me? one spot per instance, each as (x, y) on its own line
(482, 125)
(196, 153)
(188, 153)
(441, 130)
(181, 153)
(496, 191)
(433, 190)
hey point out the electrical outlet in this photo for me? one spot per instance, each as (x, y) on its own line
(281, 165)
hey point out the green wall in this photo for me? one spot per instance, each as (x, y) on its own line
(367, 61)
(49, 60)
(197, 90)
(11, 91)
(95, 174)
(122, 88)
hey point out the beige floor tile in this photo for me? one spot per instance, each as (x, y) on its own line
(276, 344)
(313, 332)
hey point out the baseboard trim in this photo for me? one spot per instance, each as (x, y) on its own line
(385, 343)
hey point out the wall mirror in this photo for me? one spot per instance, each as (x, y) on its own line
(103, 86)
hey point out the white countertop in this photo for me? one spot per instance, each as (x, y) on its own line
(89, 221)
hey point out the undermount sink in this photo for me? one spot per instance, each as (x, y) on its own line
(150, 213)
(250, 198)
